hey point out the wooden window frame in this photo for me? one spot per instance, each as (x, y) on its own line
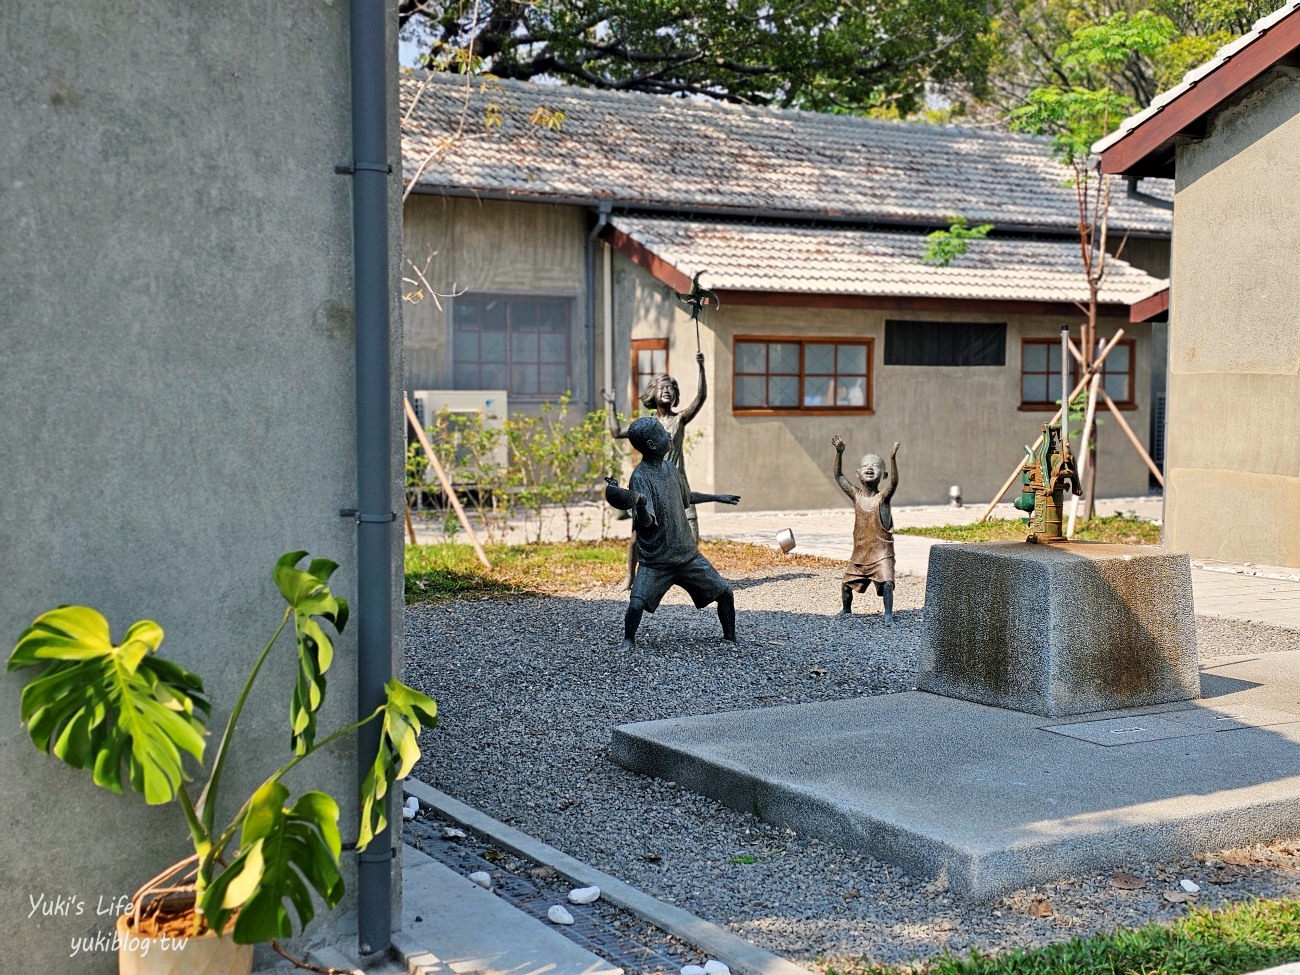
(564, 302)
(1030, 406)
(645, 345)
(867, 409)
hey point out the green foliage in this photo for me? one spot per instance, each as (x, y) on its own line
(946, 245)
(1032, 44)
(826, 55)
(406, 712)
(558, 462)
(95, 705)
(1240, 938)
(467, 444)
(1083, 106)
(285, 853)
(308, 595)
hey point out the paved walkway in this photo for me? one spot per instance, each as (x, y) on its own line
(1258, 594)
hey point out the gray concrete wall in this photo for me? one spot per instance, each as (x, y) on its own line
(176, 297)
(1233, 451)
(463, 245)
(957, 425)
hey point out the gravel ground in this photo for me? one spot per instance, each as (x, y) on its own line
(528, 690)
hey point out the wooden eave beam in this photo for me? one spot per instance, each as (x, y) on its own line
(1159, 132)
(1149, 307)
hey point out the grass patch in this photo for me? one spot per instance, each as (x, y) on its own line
(1241, 938)
(451, 570)
(1120, 529)
(1238, 939)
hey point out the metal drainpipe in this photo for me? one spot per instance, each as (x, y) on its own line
(602, 218)
(370, 174)
(1133, 193)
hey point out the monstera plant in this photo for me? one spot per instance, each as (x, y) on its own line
(135, 719)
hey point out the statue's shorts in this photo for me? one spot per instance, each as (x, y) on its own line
(859, 577)
(698, 577)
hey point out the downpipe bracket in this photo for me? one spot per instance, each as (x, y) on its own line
(362, 516)
(350, 169)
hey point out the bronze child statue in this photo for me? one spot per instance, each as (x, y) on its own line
(872, 560)
(662, 395)
(658, 497)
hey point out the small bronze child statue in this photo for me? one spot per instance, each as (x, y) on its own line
(658, 496)
(873, 528)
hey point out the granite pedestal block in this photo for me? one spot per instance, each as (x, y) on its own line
(1059, 629)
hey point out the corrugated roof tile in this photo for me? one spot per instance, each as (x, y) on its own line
(680, 154)
(783, 258)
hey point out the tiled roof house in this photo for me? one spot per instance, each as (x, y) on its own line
(1229, 137)
(567, 243)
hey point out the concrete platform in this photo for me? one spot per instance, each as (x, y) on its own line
(995, 800)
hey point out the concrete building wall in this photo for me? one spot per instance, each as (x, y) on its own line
(465, 246)
(1233, 453)
(176, 296)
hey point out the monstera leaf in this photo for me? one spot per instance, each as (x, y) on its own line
(307, 592)
(285, 853)
(98, 706)
(406, 713)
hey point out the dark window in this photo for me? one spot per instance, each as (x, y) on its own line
(801, 374)
(945, 344)
(1040, 372)
(520, 345)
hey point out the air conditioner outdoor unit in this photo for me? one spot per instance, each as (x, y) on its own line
(491, 404)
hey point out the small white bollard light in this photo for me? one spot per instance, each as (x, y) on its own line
(785, 540)
(954, 495)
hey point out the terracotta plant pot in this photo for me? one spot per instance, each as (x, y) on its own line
(204, 954)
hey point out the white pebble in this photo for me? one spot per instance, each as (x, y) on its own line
(712, 967)
(584, 895)
(411, 807)
(452, 833)
(692, 970)
(482, 878)
(559, 915)
(1188, 885)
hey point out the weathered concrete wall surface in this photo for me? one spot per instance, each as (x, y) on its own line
(176, 296)
(958, 425)
(463, 245)
(1233, 454)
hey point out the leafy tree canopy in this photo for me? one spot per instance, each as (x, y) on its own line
(1084, 105)
(824, 55)
(1037, 44)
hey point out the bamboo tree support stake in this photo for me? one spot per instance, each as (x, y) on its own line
(1128, 431)
(446, 484)
(1065, 401)
(1137, 444)
(1088, 417)
(410, 528)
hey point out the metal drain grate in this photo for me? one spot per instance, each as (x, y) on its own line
(601, 928)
